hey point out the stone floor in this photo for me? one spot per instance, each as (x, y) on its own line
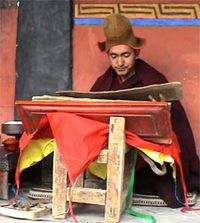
(95, 214)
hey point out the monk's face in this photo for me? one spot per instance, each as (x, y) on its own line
(122, 59)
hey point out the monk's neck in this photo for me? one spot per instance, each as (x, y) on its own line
(126, 77)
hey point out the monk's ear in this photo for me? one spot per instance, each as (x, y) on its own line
(137, 52)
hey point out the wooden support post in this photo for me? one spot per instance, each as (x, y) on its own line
(4, 185)
(115, 172)
(59, 201)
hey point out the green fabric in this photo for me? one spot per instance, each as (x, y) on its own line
(129, 210)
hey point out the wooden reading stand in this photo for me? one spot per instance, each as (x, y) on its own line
(149, 120)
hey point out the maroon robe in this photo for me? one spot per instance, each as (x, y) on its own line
(146, 181)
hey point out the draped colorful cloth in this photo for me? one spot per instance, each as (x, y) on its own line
(80, 140)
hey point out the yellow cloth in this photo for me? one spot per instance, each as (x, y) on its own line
(40, 148)
(157, 156)
(100, 169)
(35, 151)
(161, 158)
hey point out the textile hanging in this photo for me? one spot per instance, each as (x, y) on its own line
(80, 140)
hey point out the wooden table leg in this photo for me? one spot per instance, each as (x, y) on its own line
(115, 170)
(59, 201)
(4, 185)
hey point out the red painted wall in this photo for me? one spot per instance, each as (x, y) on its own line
(175, 51)
(8, 30)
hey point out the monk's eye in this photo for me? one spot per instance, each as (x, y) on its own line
(126, 55)
(113, 56)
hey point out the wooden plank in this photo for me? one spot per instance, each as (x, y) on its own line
(103, 156)
(115, 172)
(32, 214)
(87, 195)
(171, 91)
(59, 204)
(3, 184)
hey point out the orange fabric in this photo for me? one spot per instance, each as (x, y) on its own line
(80, 140)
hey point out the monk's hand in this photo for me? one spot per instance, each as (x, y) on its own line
(162, 98)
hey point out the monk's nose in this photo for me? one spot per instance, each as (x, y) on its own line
(120, 61)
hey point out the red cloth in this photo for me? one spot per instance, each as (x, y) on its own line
(80, 140)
